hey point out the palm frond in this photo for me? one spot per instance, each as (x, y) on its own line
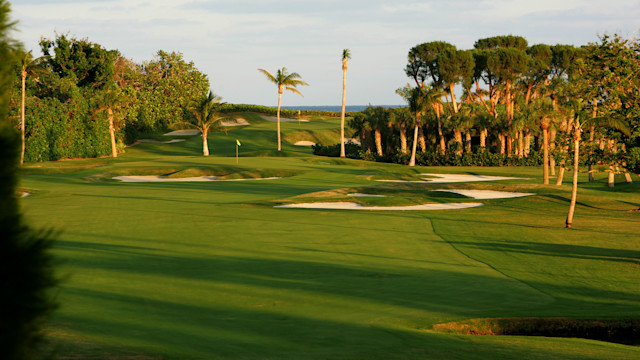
(268, 75)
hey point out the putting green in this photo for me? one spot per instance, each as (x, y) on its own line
(211, 270)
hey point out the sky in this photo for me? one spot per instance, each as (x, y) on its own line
(230, 39)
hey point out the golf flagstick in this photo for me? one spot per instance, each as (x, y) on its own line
(237, 144)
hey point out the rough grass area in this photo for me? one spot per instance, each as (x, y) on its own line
(623, 331)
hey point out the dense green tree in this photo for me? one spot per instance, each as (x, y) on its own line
(284, 81)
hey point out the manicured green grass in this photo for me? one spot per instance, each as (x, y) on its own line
(213, 271)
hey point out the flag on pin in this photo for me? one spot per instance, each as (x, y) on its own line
(238, 142)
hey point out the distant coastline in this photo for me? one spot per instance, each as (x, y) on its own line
(338, 108)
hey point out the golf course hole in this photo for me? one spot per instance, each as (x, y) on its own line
(621, 331)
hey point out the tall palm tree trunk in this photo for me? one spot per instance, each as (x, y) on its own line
(545, 155)
(278, 117)
(205, 144)
(403, 139)
(574, 189)
(22, 116)
(414, 146)
(344, 100)
(378, 138)
(112, 133)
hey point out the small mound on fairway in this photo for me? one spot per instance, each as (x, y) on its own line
(188, 132)
(356, 206)
(486, 194)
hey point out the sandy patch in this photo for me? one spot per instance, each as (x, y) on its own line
(304, 143)
(486, 194)
(235, 122)
(187, 132)
(156, 141)
(365, 195)
(356, 206)
(25, 194)
(455, 178)
(156, 178)
(282, 119)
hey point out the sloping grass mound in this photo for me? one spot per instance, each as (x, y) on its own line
(622, 331)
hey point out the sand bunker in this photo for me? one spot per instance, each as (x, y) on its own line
(156, 178)
(304, 143)
(188, 132)
(486, 194)
(356, 206)
(156, 141)
(235, 122)
(282, 119)
(454, 178)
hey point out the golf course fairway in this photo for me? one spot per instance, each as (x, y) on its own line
(212, 270)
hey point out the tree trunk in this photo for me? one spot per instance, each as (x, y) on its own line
(483, 139)
(611, 181)
(344, 99)
(527, 142)
(443, 144)
(421, 140)
(574, 189)
(594, 113)
(521, 144)
(22, 116)
(552, 146)
(278, 113)
(205, 144)
(545, 155)
(412, 161)
(403, 139)
(457, 135)
(378, 137)
(112, 133)
(468, 142)
(560, 174)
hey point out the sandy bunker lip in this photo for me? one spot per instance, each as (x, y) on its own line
(486, 194)
(160, 178)
(356, 206)
(454, 178)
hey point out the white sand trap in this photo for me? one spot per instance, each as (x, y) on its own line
(304, 143)
(25, 194)
(282, 119)
(455, 178)
(451, 178)
(365, 195)
(356, 206)
(235, 122)
(486, 194)
(156, 178)
(158, 142)
(187, 132)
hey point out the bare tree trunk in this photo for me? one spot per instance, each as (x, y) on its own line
(422, 141)
(560, 174)
(521, 144)
(112, 133)
(483, 139)
(412, 161)
(574, 189)
(527, 142)
(457, 135)
(344, 99)
(403, 139)
(205, 144)
(278, 126)
(545, 155)
(378, 137)
(594, 113)
(611, 181)
(468, 142)
(552, 146)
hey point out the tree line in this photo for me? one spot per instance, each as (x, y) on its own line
(81, 100)
(518, 101)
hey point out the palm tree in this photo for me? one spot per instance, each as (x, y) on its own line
(108, 100)
(284, 81)
(419, 100)
(28, 67)
(205, 117)
(346, 55)
(610, 122)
